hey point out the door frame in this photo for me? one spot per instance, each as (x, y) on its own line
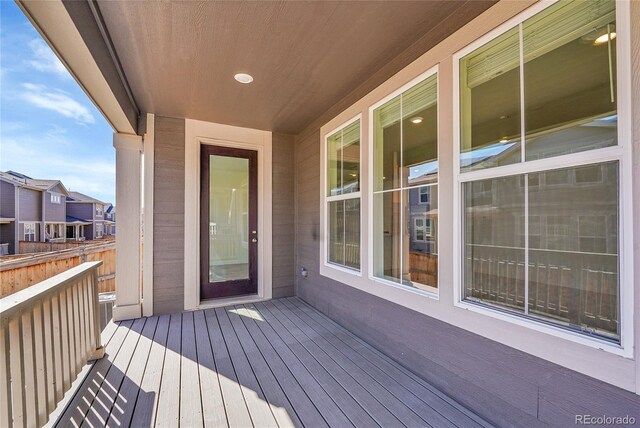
(199, 133)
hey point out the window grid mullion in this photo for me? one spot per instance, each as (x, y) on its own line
(523, 142)
(401, 195)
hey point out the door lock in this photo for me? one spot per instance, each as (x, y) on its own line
(254, 240)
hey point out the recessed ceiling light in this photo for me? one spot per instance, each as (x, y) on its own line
(416, 120)
(604, 38)
(243, 78)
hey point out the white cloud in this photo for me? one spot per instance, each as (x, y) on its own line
(57, 101)
(45, 60)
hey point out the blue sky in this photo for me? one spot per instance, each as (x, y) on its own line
(49, 128)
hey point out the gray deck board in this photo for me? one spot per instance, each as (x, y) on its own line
(274, 364)
(377, 413)
(168, 412)
(297, 396)
(213, 405)
(234, 404)
(83, 400)
(310, 383)
(146, 406)
(281, 408)
(369, 357)
(122, 410)
(190, 404)
(257, 404)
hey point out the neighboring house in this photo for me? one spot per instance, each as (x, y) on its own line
(110, 220)
(36, 206)
(87, 213)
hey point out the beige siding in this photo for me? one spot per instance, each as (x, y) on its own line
(283, 216)
(168, 220)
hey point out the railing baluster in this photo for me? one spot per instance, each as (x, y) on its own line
(40, 363)
(17, 371)
(5, 376)
(73, 363)
(29, 364)
(47, 328)
(79, 352)
(58, 347)
(64, 329)
(79, 297)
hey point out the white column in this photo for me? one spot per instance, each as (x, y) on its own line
(128, 181)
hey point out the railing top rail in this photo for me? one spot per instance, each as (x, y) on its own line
(17, 301)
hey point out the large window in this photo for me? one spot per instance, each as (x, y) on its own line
(405, 187)
(343, 196)
(540, 227)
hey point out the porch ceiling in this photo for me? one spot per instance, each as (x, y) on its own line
(179, 58)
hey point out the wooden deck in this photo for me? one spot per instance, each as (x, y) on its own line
(278, 363)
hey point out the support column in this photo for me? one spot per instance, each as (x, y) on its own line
(128, 186)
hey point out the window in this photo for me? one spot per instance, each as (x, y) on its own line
(424, 195)
(30, 232)
(405, 187)
(343, 196)
(545, 245)
(55, 198)
(98, 210)
(99, 230)
(422, 229)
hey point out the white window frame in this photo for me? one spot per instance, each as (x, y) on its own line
(31, 226)
(427, 228)
(56, 198)
(425, 193)
(99, 210)
(432, 292)
(622, 153)
(326, 199)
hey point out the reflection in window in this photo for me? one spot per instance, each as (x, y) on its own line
(568, 64)
(405, 191)
(343, 196)
(572, 250)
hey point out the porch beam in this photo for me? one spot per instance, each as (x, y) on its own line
(128, 187)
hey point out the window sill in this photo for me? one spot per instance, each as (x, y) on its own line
(559, 332)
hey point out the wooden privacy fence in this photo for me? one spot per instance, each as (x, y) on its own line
(48, 333)
(28, 247)
(20, 273)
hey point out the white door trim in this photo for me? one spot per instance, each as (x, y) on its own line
(198, 133)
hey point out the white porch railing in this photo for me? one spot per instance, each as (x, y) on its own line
(48, 333)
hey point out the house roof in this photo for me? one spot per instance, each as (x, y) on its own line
(76, 220)
(22, 180)
(77, 197)
(111, 209)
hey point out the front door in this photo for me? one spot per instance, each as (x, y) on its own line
(229, 222)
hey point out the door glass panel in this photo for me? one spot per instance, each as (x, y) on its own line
(228, 219)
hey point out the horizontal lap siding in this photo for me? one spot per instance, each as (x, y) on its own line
(30, 205)
(283, 215)
(168, 215)
(507, 386)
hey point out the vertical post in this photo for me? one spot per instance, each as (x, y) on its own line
(128, 189)
(147, 263)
